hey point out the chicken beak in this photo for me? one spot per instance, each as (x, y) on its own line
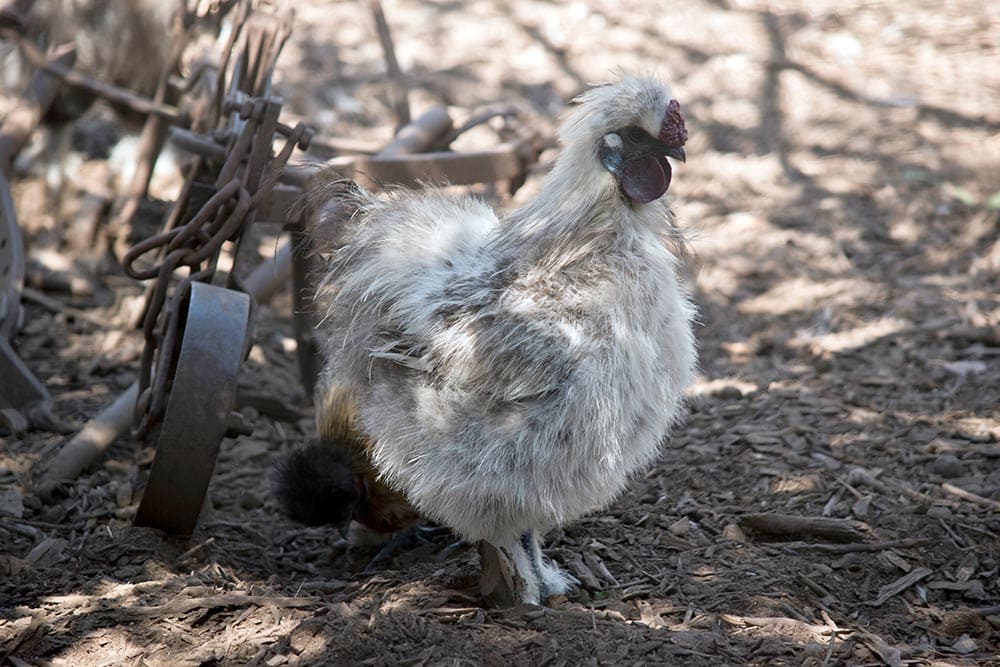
(676, 152)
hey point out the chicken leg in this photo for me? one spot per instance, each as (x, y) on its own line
(517, 573)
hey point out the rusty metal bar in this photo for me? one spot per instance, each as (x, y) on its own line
(154, 132)
(503, 162)
(270, 275)
(419, 135)
(92, 440)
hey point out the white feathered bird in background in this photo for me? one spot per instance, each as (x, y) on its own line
(507, 375)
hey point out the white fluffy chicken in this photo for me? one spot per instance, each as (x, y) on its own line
(507, 375)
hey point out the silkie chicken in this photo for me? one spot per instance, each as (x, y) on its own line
(503, 376)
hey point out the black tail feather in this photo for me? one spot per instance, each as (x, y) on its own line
(317, 484)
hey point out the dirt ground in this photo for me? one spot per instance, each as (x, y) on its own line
(841, 193)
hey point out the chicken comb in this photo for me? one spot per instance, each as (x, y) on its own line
(672, 131)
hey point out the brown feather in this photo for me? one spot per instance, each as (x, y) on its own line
(382, 509)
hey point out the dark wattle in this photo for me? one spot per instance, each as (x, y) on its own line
(646, 178)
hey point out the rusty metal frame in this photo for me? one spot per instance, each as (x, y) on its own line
(507, 161)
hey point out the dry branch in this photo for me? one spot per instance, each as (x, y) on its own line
(898, 586)
(818, 526)
(862, 476)
(92, 441)
(783, 626)
(971, 497)
(862, 547)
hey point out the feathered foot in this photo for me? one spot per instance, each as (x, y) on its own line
(551, 580)
(518, 573)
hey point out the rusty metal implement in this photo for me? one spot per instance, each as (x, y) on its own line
(215, 341)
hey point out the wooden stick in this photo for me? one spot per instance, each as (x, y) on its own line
(862, 476)
(900, 585)
(970, 496)
(791, 524)
(861, 547)
(92, 441)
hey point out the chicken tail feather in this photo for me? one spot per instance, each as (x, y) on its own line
(317, 484)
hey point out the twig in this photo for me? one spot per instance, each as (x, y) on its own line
(176, 607)
(863, 476)
(900, 585)
(861, 547)
(195, 548)
(778, 623)
(959, 541)
(791, 524)
(794, 613)
(970, 496)
(812, 585)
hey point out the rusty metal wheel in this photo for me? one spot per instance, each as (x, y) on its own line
(198, 411)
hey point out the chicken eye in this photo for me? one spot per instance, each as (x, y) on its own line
(635, 134)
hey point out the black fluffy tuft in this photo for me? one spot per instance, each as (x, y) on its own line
(318, 485)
